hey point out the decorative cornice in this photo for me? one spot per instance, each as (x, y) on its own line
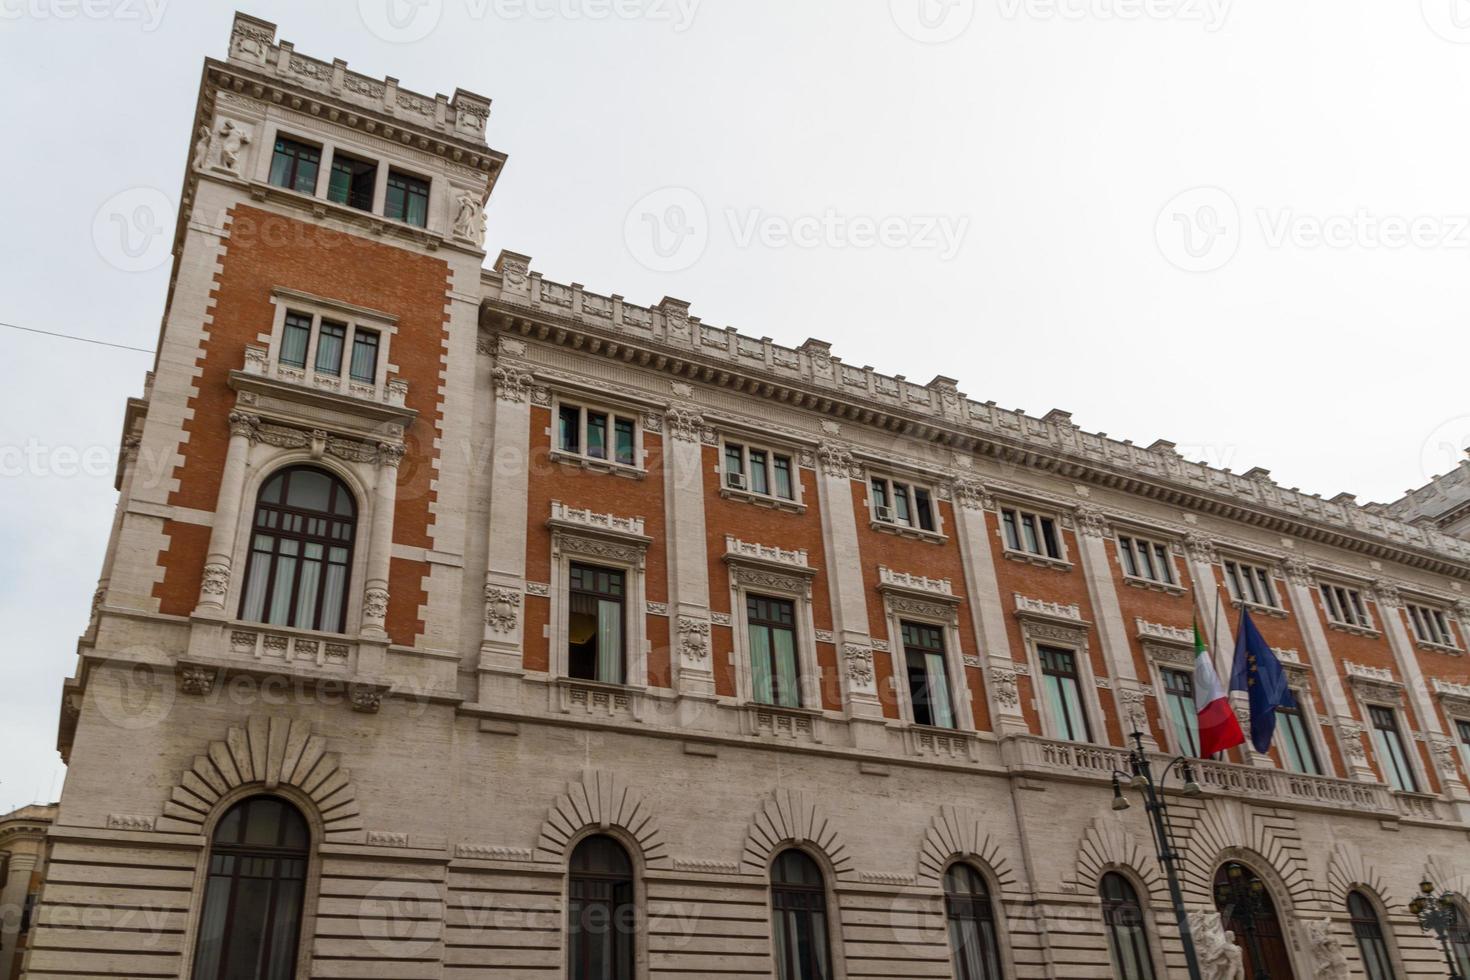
(766, 554)
(1029, 608)
(1176, 635)
(585, 519)
(906, 583)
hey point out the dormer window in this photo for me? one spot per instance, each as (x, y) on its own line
(408, 199)
(294, 165)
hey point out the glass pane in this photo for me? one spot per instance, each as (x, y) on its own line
(570, 423)
(624, 449)
(761, 674)
(309, 490)
(1008, 520)
(334, 594)
(280, 608)
(364, 356)
(734, 459)
(783, 478)
(788, 690)
(329, 347)
(901, 503)
(294, 340)
(924, 509)
(1125, 552)
(939, 702)
(311, 570)
(610, 641)
(1028, 531)
(418, 205)
(260, 569)
(597, 435)
(758, 482)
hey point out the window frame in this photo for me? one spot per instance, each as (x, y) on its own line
(1147, 937)
(1045, 630)
(1021, 510)
(911, 489)
(573, 542)
(1461, 726)
(354, 318)
(636, 873)
(831, 921)
(619, 598)
(1001, 959)
(1426, 618)
(749, 576)
(753, 622)
(1304, 713)
(1373, 920)
(1078, 677)
(946, 653)
(408, 177)
(940, 611)
(1166, 696)
(727, 441)
(316, 147)
(1157, 551)
(613, 413)
(1262, 575)
(1375, 710)
(1344, 606)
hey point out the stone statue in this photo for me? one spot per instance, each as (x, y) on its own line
(235, 138)
(1219, 957)
(201, 147)
(469, 222)
(1327, 956)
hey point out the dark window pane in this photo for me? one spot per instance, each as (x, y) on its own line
(925, 508)
(570, 429)
(408, 199)
(352, 182)
(295, 338)
(624, 450)
(306, 514)
(364, 356)
(597, 435)
(294, 165)
(329, 340)
(783, 478)
(758, 471)
(595, 624)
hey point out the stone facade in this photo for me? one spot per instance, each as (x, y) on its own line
(447, 760)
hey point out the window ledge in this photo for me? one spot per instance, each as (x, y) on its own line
(763, 500)
(1354, 630)
(1139, 582)
(905, 531)
(780, 721)
(945, 743)
(1041, 560)
(574, 695)
(1257, 607)
(597, 465)
(1448, 648)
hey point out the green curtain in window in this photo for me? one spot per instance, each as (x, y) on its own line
(785, 642)
(760, 665)
(609, 642)
(939, 704)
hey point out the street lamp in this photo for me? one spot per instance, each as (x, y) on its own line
(1247, 896)
(1141, 777)
(1438, 913)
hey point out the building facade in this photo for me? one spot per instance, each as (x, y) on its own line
(460, 623)
(22, 868)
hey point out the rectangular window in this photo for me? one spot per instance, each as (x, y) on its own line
(294, 165)
(1250, 583)
(595, 631)
(1345, 606)
(1301, 754)
(1063, 691)
(330, 337)
(1463, 728)
(352, 181)
(408, 199)
(771, 626)
(1393, 754)
(364, 355)
(761, 471)
(1146, 559)
(923, 650)
(1179, 697)
(902, 503)
(1431, 625)
(295, 339)
(597, 434)
(1031, 533)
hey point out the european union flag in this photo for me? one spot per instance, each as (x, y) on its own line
(1259, 674)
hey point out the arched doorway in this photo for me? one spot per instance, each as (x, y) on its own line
(1244, 902)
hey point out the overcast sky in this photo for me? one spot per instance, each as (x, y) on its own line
(1238, 226)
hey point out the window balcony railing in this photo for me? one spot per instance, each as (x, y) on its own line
(260, 363)
(1079, 760)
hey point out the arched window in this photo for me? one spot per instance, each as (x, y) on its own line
(1369, 933)
(602, 919)
(799, 906)
(972, 937)
(1460, 938)
(300, 551)
(1127, 938)
(251, 922)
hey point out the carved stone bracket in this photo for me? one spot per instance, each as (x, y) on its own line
(837, 459)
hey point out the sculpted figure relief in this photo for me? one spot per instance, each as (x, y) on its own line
(469, 221)
(1327, 955)
(1219, 957)
(235, 137)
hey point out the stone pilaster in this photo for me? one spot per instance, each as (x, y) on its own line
(689, 611)
(836, 469)
(1092, 540)
(505, 572)
(380, 542)
(217, 563)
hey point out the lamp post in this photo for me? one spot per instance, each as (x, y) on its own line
(1141, 778)
(1249, 896)
(1438, 913)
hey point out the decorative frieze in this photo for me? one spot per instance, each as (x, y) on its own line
(1042, 609)
(129, 821)
(502, 608)
(1454, 697)
(1003, 683)
(735, 549)
(838, 460)
(1164, 634)
(859, 661)
(693, 638)
(906, 581)
(197, 680)
(585, 518)
(492, 852)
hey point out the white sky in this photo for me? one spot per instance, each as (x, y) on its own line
(1055, 133)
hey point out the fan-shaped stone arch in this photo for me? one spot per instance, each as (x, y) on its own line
(272, 752)
(601, 800)
(789, 817)
(1447, 873)
(959, 832)
(1106, 844)
(1225, 828)
(1348, 868)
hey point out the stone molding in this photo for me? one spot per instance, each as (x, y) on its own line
(601, 800)
(962, 833)
(790, 817)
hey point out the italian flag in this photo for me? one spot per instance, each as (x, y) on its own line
(1218, 727)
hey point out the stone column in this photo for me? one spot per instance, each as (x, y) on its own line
(505, 573)
(380, 542)
(688, 561)
(226, 518)
(1350, 733)
(836, 469)
(1112, 631)
(12, 899)
(987, 609)
(1390, 606)
(129, 463)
